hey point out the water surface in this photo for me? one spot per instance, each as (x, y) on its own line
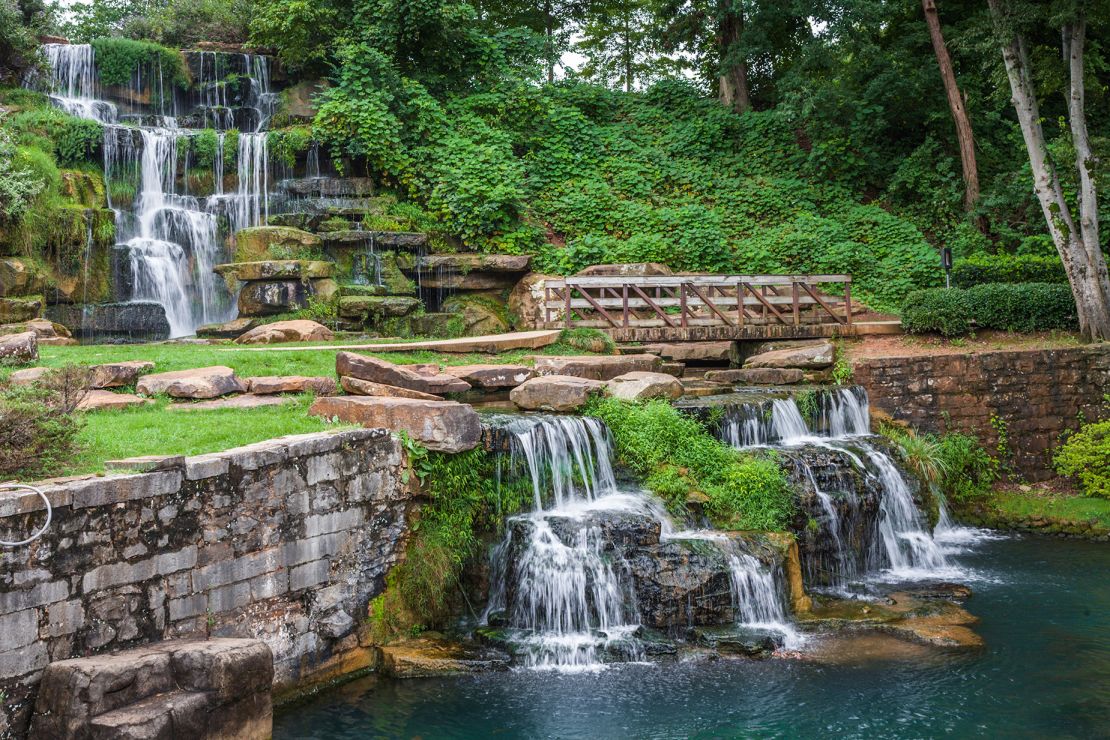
(1045, 611)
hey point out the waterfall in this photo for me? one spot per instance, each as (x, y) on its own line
(563, 575)
(172, 239)
(897, 541)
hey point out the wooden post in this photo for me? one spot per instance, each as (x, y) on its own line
(566, 293)
(682, 303)
(624, 302)
(546, 305)
(848, 303)
(740, 304)
(794, 298)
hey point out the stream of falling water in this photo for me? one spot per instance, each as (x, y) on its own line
(574, 595)
(841, 423)
(172, 239)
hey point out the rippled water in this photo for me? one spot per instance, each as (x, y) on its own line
(1045, 610)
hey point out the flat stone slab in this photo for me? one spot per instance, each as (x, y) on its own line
(427, 657)
(245, 401)
(597, 367)
(29, 375)
(298, 330)
(265, 385)
(118, 374)
(98, 400)
(491, 377)
(489, 344)
(695, 388)
(757, 376)
(211, 688)
(695, 351)
(815, 356)
(146, 463)
(556, 393)
(445, 426)
(641, 386)
(277, 269)
(201, 382)
(229, 330)
(471, 261)
(425, 380)
(359, 387)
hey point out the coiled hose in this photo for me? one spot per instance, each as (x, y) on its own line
(12, 488)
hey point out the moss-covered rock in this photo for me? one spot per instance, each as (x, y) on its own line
(14, 310)
(372, 309)
(270, 242)
(20, 277)
(83, 188)
(482, 313)
(277, 270)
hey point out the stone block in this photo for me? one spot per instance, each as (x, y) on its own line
(386, 373)
(64, 618)
(561, 393)
(445, 426)
(309, 575)
(639, 386)
(18, 629)
(597, 367)
(205, 466)
(204, 382)
(24, 660)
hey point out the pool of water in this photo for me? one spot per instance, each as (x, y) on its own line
(1045, 672)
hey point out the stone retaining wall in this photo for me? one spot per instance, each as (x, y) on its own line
(285, 541)
(1037, 394)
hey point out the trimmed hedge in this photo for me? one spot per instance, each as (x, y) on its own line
(1020, 307)
(1008, 268)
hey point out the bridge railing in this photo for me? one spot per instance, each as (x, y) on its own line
(683, 301)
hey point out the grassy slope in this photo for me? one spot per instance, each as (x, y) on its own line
(1043, 509)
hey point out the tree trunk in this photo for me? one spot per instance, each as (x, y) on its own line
(549, 31)
(732, 87)
(1083, 263)
(959, 113)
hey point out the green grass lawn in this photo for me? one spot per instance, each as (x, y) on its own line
(155, 430)
(1059, 507)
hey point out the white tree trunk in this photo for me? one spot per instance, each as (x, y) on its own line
(1083, 261)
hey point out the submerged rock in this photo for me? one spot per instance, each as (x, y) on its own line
(427, 657)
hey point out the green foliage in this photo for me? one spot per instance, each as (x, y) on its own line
(588, 340)
(968, 471)
(465, 499)
(1023, 307)
(676, 456)
(19, 184)
(1086, 456)
(286, 144)
(73, 141)
(38, 429)
(1008, 268)
(946, 312)
(204, 148)
(118, 59)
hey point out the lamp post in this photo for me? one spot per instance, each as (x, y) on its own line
(946, 263)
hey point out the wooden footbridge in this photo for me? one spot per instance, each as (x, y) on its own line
(708, 307)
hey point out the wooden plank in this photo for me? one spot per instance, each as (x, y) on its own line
(701, 280)
(682, 303)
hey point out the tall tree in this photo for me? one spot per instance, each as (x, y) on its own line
(620, 44)
(956, 104)
(732, 86)
(1076, 239)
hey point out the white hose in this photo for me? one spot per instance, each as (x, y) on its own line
(11, 487)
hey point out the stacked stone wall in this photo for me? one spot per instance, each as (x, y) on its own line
(1032, 397)
(285, 541)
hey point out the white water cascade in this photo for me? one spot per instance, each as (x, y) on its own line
(567, 592)
(173, 239)
(840, 421)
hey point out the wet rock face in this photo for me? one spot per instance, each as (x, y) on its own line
(139, 321)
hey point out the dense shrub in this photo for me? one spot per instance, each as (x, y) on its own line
(38, 429)
(676, 455)
(967, 471)
(937, 310)
(1003, 306)
(1008, 268)
(18, 182)
(1086, 456)
(117, 60)
(73, 141)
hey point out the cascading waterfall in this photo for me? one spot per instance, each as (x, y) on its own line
(172, 239)
(556, 576)
(839, 423)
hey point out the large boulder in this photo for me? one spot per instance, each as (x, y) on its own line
(359, 387)
(118, 374)
(597, 367)
(254, 243)
(696, 351)
(386, 373)
(640, 386)
(555, 393)
(491, 377)
(813, 356)
(298, 330)
(20, 309)
(482, 315)
(265, 385)
(43, 329)
(527, 302)
(29, 376)
(18, 349)
(375, 308)
(471, 271)
(270, 297)
(201, 382)
(445, 426)
(277, 270)
(19, 278)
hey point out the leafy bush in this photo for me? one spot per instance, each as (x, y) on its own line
(937, 310)
(38, 430)
(1007, 307)
(73, 141)
(287, 143)
(676, 456)
(1022, 306)
(18, 182)
(1086, 456)
(117, 60)
(588, 340)
(967, 470)
(1008, 268)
